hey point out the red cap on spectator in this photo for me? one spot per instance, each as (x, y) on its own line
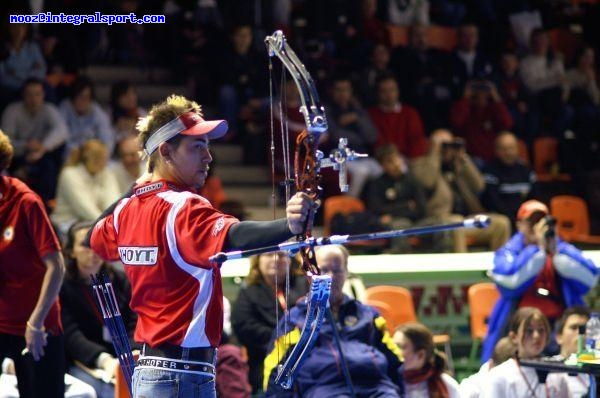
(531, 206)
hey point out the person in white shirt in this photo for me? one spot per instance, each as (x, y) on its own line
(424, 367)
(129, 165)
(567, 331)
(85, 186)
(472, 386)
(530, 332)
(38, 134)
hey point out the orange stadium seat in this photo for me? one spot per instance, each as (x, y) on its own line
(573, 223)
(545, 160)
(400, 308)
(440, 37)
(481, 297)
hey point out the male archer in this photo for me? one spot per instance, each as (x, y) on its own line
(164, 234)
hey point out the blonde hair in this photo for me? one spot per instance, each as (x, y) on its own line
(161, 114)
(6, 151)
(255, 277)
(80, 154)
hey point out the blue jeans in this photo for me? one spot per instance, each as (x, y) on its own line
(168, 384)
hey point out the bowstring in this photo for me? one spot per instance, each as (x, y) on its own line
(284, 128)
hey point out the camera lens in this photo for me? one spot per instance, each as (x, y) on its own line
(551, 223)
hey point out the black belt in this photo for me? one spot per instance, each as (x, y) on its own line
(178, 365)
(196, 354)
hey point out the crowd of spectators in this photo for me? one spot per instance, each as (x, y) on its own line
(505, 69)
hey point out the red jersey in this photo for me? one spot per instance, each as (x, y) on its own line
(27, 237)
(164, 236)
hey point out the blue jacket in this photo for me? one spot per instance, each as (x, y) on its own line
(516, 266)
(372, 357)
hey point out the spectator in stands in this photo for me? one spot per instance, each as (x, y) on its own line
(89, 349)
(373, 27)
(31, 272)
(473, 386)
(38, 133)
(478, 116)
(373, 359)
(129, 166)
(515, 95)
(454, 185)
(396, 197)
(530, 332)
(424, 369)
(85, 186)
(348, 119)
(253, 317)
(379, 65)
(22, 59)
(537, 269)
(125, 110)
(567, 332)
(468, 62)
(243, 83)
(396, 122)
(584, 97)
(407, 13)
(424, 77)
(543, 74)
(85, 118)
(508, 181)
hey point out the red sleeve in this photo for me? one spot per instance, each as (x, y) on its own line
(39, 227)
(459, 113)
(503, 118)
(104, 239)
(417, 143)
(201, 231)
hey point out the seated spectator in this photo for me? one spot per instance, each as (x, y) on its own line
(38, 133)
(396, 197)
(468, 61)
(584, 97)
(424, 77)
(397, 123)
(478, 116)
(530, 332)
(424, 368)
(454, 185)
(85, 186)
(567, 332)
(379, 65)
(473, 386)
(89, 349)
(515, 95)
(253, 317)
(508, 182)
(537, 269)
(406, 13)
(373, 359)
(242, 77)
(348, 119)
(85, 118)
(129, 165)
(543, 74)
(22, 59)
(125, 110)
(373, 27)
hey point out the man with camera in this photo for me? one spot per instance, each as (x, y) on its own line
(537, 269)
(453, 185)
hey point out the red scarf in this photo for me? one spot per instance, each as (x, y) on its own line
(435, 384)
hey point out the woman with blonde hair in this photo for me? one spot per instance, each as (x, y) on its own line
(424, 368)
(254, 316)
(85, 186)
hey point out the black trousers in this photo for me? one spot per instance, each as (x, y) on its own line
(43, 378)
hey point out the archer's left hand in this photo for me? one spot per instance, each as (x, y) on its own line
(297, 211)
